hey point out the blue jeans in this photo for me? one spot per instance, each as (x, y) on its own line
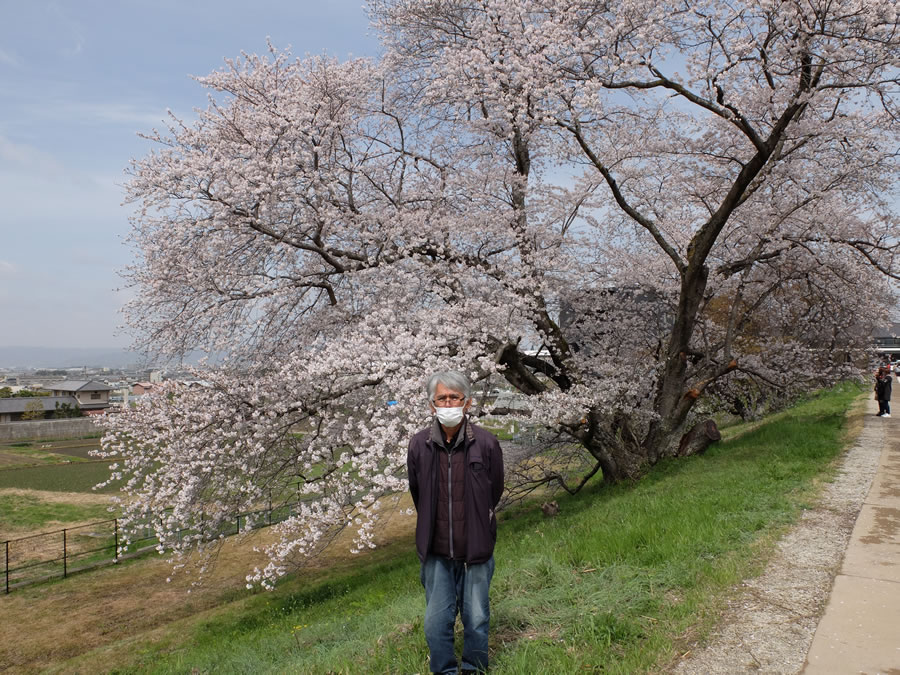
(451, 586)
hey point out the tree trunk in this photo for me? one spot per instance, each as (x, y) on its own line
(698, 439)
(615, 447)
(673, 399)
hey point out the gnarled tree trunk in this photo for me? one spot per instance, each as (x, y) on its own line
(698, 439)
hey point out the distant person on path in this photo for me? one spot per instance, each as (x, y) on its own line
(456, 479)
(883, 391)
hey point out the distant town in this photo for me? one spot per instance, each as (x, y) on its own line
(30, 394)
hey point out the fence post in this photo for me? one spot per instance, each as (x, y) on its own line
(238, 519)
(65, 561)
(116, 552)
(7, 567)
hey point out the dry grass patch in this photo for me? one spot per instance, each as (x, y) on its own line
(856, 418)
(77, 498)
(80, 500)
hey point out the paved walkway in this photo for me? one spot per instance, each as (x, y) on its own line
(860, 629)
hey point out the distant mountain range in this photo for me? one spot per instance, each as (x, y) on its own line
(68, 357)
(14, 358)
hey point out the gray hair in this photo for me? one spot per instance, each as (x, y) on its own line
(452, 379)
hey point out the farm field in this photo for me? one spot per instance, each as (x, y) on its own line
(52, 466)
(27, 453)
(47, 485)
(74, 477)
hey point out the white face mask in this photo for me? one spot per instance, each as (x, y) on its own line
(450, 417)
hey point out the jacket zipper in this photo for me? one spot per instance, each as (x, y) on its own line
(450, 496)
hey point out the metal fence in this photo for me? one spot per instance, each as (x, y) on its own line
(59, 554)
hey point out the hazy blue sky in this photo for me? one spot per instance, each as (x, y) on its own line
(78, 80)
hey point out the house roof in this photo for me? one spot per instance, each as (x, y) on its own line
(19, 403)
(79, 385)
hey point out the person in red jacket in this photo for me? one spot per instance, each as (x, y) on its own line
(455, 473)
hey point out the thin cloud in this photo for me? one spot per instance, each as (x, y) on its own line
(28, 157)
(77, 48)
(118, 113)
(8, 59)
(92, 113)
(91, 257)
(73, 30)
(8, 270)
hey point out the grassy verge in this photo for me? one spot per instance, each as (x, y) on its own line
(25, 512)
(616, 583)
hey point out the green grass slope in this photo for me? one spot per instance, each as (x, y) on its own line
(616, 583)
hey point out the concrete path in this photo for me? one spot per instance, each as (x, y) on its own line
(860, 630)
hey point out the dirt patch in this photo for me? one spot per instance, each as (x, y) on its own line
(769, 622)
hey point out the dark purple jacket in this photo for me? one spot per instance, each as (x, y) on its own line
(883, 387)
(483, 488)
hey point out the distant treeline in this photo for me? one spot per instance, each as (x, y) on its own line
(6, 392)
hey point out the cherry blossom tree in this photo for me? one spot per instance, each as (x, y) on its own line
(616, 208)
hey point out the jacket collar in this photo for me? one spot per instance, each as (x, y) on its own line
(437, 434)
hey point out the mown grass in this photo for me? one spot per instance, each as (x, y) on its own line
(28, 512)
(617, 583)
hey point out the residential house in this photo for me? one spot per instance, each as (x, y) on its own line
(141, 388)
(92, 396)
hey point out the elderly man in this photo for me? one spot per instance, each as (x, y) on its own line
(456, 479)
